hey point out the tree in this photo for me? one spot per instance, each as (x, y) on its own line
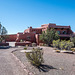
(48, 36)
(3, 33)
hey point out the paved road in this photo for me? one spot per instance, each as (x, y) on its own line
(8, 64)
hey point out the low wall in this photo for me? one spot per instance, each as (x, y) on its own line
(4, 44)
(22, 44)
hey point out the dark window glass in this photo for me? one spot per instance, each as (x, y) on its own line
(64, 32)
(34, 32)
(28, 37)
(58, 32)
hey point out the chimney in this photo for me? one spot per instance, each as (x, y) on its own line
(30, 27)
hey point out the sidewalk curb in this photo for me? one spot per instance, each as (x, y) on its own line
(22, 65)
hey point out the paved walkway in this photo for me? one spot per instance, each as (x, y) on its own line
(11, 44)
(8, 64)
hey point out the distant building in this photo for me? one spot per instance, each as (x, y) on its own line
(32, 34)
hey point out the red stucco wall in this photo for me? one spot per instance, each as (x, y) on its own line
(11, 38)
(24, 37)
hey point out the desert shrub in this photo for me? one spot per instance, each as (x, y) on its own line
(33, 44)
(56, 43)
(62, 44)
(73, 40)
(67, 45)
(25, 48)
(35, 57)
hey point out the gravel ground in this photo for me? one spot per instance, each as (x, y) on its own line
(54, 63)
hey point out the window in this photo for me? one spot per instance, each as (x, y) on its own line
(64, 32)
(28, 37)
(58, 32)
(34, 32)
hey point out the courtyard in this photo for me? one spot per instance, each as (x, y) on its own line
(54, 63)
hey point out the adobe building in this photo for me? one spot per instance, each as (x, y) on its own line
(32, 34)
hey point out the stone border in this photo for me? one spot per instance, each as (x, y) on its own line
(22, 65)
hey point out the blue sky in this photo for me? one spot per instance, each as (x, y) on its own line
(17, 15)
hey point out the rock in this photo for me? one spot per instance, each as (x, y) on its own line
(70, 52)
(26, 51)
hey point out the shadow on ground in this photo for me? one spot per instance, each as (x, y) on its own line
(5, 47)
(45, 68)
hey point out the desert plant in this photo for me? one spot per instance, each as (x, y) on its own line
(73, 40)
(67, 45)
(56, 43)
(61, 45)
(70, 44)
(25, 48)
(35, 57)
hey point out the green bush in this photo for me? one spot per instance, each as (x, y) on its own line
(56, 43)
(67, 45)
(33, 44)
(62, 44)
(35, 57)
(73, 40)
(25, 48)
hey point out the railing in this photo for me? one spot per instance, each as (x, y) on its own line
(64, 35)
